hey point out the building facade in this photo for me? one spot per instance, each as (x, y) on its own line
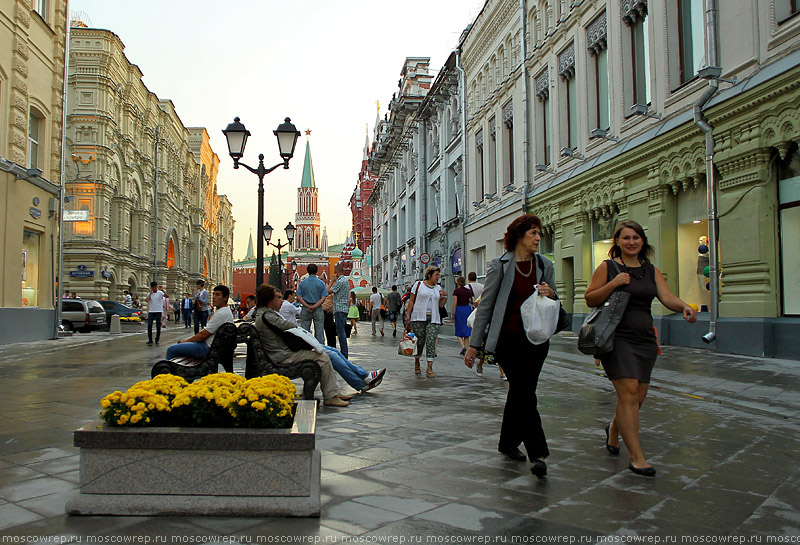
(32, 58)
(147, 182)
(360, 210)
(605, 96)
(418, 200)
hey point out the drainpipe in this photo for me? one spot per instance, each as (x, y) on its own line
(711, 182)
(422, 183)
(464, 155)
(62, 186)
(525, 101)
(155, 211)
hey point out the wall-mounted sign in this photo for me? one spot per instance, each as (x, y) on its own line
(425, 258)
(455, 261)
(35, 212)
(81, 274)
(76, 215)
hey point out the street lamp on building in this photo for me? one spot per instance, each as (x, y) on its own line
(236, 134)
(267, 231)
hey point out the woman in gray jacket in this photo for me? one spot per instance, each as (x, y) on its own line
(510, 280)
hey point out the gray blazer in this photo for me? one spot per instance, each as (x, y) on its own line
(499, 280)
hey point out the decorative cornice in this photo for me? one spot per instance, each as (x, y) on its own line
(633, 10)
(597, 34)
(566, 63)
(543, 85)
(508, 114)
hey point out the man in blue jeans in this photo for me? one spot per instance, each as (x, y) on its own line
(199, 344)
(356, 376)
(341, 305)
(311, 293)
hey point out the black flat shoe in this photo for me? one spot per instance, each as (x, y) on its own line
(513, 453)
(611, 448)
(539, 468)
(644, 471)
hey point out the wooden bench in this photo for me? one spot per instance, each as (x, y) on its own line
(220, 353)
(259, 363)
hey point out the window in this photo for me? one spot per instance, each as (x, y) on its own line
(597, 80)
(34, 124)
(690, 34)
(491, 186)
(480, 262)
(784, 9)
(40, 7)
(789, 205)
(31, 241)
(508, 143)
(636, 58)
(602, 238)
(569, 106)
(481, 182)
(543, 118)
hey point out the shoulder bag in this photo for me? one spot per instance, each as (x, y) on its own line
(596, 336)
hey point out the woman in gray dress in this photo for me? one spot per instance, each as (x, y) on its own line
(510, 280)
(631, 362)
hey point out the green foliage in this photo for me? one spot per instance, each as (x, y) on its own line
(274, 272)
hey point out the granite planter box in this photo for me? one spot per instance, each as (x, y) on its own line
(200, 471)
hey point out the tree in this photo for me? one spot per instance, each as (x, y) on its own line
(274, 272)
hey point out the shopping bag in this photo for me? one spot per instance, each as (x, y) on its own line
(471, 318)
(539, 317)
(407, 346)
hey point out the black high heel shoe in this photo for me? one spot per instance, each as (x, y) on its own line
(644, 471)
(611, 448)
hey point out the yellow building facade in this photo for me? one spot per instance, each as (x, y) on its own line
(32, 51)
(128, 146)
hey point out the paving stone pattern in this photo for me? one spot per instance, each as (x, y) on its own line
(417, 456)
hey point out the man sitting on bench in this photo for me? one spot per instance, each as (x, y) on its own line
(199, 344)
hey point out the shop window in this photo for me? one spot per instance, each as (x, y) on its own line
(789, 206)
(693, 250)
(84, 227)
(602, 238)
(34, 129)
(31, 241)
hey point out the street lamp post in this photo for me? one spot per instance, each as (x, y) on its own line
(267, 231)
(236, 134)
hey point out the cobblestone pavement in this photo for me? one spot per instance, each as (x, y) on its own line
(417, 456)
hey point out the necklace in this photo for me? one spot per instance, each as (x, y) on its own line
(639, 274)
(516, 264)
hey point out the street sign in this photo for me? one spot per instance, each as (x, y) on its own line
(425, 258)
(76, 215)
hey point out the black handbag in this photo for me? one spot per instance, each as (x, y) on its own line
(596, 336)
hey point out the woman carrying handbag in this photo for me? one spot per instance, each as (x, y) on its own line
(422, 317)
(631, 361)
(510, 280)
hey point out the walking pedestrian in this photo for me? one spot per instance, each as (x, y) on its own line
(310, 293)
(353, 314)
(155, 307)
(126, 298)
(393, 305)
(176, 310)
(201, 300)
(510, 280)
(199, 344)
(340, 288)
(186, 309)
(462, 307)
(375, 303)
(167, 308)
(475, 287)
(422, 317)
(630, 364)
(329, 325)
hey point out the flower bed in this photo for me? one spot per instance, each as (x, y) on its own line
(133, 462)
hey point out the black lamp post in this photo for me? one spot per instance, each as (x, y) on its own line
(236, 134)
(267, 230)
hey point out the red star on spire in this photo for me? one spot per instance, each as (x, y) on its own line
(308, 132)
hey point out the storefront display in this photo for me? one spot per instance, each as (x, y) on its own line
(789, 203)
(602, 238)
(30, 268)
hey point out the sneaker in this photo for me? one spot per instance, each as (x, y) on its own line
(373, 379)
(504, 378)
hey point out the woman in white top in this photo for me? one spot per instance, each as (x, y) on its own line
(422, 315)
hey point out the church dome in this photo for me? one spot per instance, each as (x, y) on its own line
(357, 254)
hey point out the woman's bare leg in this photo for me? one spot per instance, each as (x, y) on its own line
(629, 398)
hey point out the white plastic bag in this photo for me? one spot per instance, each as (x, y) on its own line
(408, 346)
(539, 317)
(471, 317)
(308, 338)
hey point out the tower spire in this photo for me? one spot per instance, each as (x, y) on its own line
(250, 253)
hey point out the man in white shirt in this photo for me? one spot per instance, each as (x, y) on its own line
(475, 286)
(155, 306)
(127, 299)
(289, 311)
(199, 344)
(375, 302)
(250, 301)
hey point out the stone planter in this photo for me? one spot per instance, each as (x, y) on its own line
(200, 471)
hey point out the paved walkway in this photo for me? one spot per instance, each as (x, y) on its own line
(416, 457)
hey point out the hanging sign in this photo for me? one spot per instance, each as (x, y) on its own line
(76, 215)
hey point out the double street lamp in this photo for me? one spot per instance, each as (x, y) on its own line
(236, 134)
(267, 231)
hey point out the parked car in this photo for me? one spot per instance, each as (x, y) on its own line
(124, 311)
(82, 315)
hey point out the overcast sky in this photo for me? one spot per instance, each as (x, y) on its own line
(322, 63)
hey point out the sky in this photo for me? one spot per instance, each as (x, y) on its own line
(322, 63)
